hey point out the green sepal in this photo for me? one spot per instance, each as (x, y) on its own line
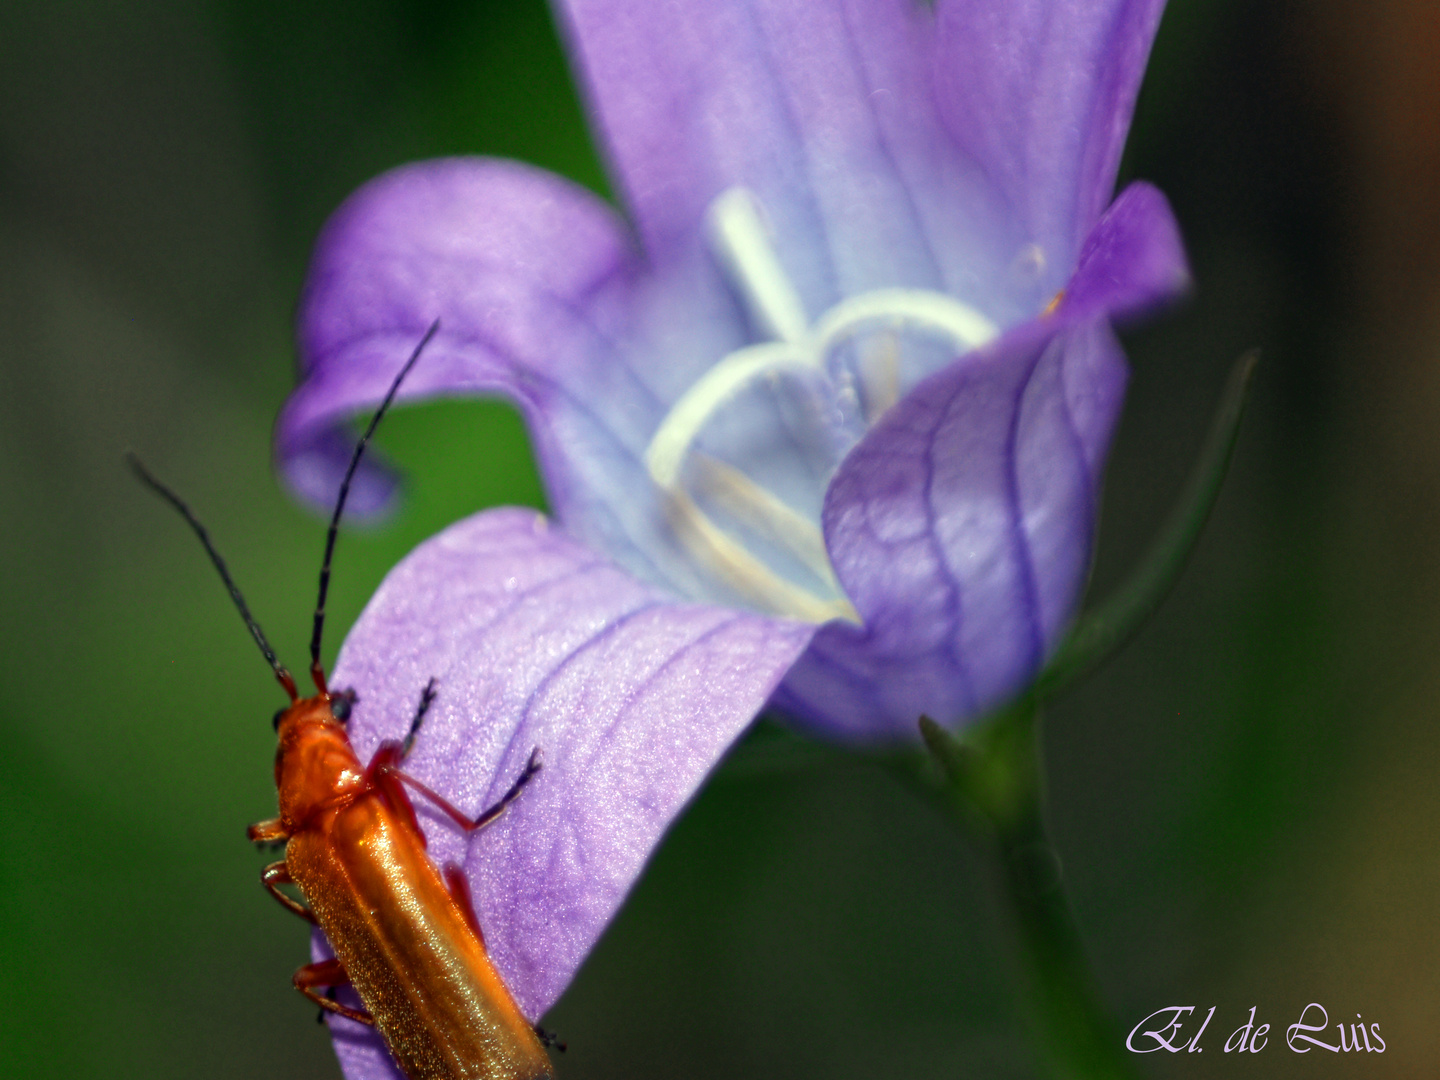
(1098, 633)
(992, 766)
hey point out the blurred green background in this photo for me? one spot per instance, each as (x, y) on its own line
(1244, 800)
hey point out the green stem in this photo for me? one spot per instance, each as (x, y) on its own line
(994, 780)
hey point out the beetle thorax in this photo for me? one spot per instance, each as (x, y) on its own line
(315, 766)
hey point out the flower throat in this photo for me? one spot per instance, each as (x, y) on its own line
(744, 456)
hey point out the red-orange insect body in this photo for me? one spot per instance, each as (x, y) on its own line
(404, 935)
(406, 938)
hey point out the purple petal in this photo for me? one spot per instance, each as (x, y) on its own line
(826, 112)
(535, 640)
(960, 528)
(537, 290)
(1041, 92)
(522, 269)
(1132, 261)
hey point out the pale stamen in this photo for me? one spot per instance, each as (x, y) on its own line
(880, 374)
(760, 509)
(745, 573)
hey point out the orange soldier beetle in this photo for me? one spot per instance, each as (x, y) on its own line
(404, 934)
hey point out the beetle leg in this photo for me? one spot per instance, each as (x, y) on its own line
(267, 832)
(328, 973)
(549, 1039)
(427, 697)
(277, 874)
(532, 766)
(460, 893)
(383, 768)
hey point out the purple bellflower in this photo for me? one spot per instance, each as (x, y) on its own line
(822, 417)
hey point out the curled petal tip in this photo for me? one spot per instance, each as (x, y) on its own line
(1132, 262)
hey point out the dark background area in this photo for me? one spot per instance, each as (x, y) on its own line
(1245, 800)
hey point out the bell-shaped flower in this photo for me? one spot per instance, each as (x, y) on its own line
(821, 414)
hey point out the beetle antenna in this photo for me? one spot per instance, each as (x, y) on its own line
(316, 671)
(254, 627)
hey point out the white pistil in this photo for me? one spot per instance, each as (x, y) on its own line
(903, 308)
(676, 433)
(741, 242)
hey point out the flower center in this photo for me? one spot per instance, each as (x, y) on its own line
(744, 456)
